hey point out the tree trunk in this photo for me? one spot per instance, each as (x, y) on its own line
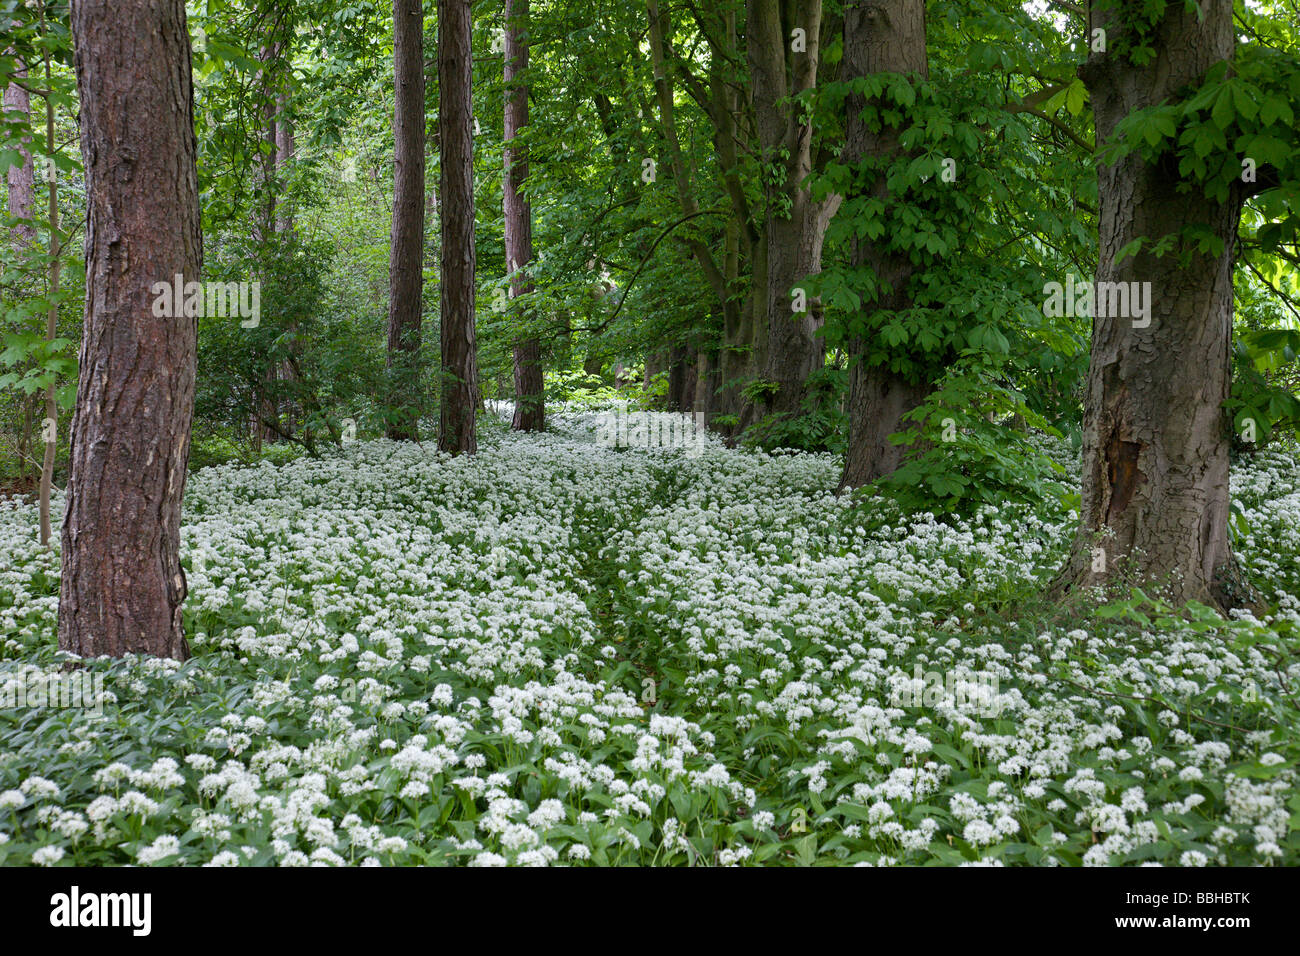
(885, 37)
(265, 225)
(21, 182)
(455, 124)
(530, 399)
(122, 586)
(705, 384)
(284, 150)
(878, 400)
(284, 226)
(737, 360)
(406, 255)
(1155, 438)
(22, 177)
(266, 415)
(51, 422)
(723, 101)
(678, 368)
(780, 69)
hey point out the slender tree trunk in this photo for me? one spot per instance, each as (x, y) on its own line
(51, 422)
(265, 224)
(21, 180)
(1155, 438)
(284, 152)
(284, 227)
(883, 37)
(530, 399)
(678, 367)
(406, 257)
(266, 416)
(705, 384)
(722, 103)
(122, 585)
(455, 123)
(22, 176)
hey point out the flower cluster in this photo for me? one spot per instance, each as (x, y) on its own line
(564, 653)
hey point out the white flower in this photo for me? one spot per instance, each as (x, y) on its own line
(47, 855)
(164, 846)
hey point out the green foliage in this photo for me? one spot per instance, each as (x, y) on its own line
(299, 372)
(821, 425)
(1238, 127)
(973, 449)
(1258, 407)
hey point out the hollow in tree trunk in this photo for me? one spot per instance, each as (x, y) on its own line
(1155, 436)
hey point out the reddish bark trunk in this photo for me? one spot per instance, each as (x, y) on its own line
(455, 124)
(406, 254)
(122, 586)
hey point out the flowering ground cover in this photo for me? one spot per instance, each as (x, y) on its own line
(561, 653)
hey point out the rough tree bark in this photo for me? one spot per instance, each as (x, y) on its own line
(122, 586)
(880, 36)
(455, 124)
(406, 253)
(22, 176)
(1155, 436)
(782, 65)
(530, 398)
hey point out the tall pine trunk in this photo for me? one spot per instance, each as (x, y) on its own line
(885, 37)
(455, 125)
(122, 586)
(1155, 436)
(406, 256)
(530, 399)
(51, 421)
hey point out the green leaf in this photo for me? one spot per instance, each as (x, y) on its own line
(1223, 111)
(1075, 97)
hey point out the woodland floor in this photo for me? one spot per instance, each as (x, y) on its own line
(558, 652)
